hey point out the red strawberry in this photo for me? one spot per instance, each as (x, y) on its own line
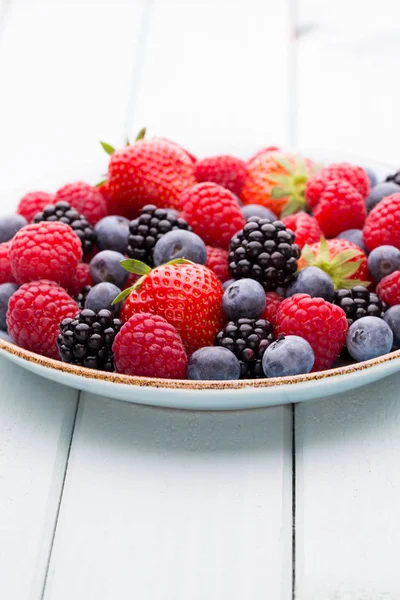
(382, 226)
(355, 176)
(340, 207)
(226, 170)
(148, 346)
(344, 262)
(87, 200)
(6, 275)
(187, 295)
(148, 172)
(322, 324)
(388, 289)
(262, 151)
(305, 228)
(213, 213)
(32, 203)
(190, 155)
(217, 261)
(273, 302)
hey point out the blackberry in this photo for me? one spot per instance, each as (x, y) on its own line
(81, 297)
(359, 302)
(148, 228)
(247, 339)
(395, 177)
(63, 212)
(264, 250)
(87, 340)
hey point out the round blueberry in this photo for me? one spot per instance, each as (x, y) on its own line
(180, 243)
(6, 291)
(212, 363)
(314, 282)
(244, 298)
(9, 225)
(112, 233)
(290, 355)
(392, 318)
(355, 236)
(102, 296)
(105, 266)
(226, 284)
(383, 261)
(373, 179)
(368, 338)
(380, 191)
(257, 210)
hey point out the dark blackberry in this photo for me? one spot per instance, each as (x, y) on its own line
(81, 297)
(87, 340)
(247, 339)
(63, 212)
(264, 250)
(147, 229)
(359, 302)
(395, 177)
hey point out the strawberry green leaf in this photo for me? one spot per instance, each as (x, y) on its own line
(108, 148)
(292, 206)
(308, 255)
(275, 178)
(277, 193)
(141, 134)
(124, 294)
(135, 266)
(344, 257)
(284, 163)
(101, 183)
(180, 261)
(323, 254)
(349, 269)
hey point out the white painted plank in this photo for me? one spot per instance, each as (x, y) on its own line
(215, 76)
(36, 419)
(170, 505)
(347, 93)
(348, 493)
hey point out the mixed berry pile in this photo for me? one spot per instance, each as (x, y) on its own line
(218, 268)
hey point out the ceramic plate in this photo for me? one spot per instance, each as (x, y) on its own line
(214, 395)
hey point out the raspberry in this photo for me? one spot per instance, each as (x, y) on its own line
(149, 346)
(340, 207)
(354, 175)
(6, 275)
(80, 279)
(86, 199)
(273, 302)
(217, 261)
(213, 213)
(305, 228)
(34, 202)
(34, 315)
(228, 171)
(382, 226)
(45, 250)
(388, 289)
(322, 324)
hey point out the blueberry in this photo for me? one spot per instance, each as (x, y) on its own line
(9, 225)
(392, 318)
(180, 243)
(373, 179)
(226, 284)
(379, 192)
(290, 355)
(244, 298)
(101, 296)
(355, 236)
(112, 234)
(257, 210)
(383, 261)
(105, 266)
(213, 362)
(6, 291)
(368, 338)
(312, 281)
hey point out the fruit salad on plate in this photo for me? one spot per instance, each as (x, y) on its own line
(216, 268)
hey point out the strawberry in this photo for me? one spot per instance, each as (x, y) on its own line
(262, 151)
(305, 228)
(226, 170)
(344, 262)
(212, 212)
(187, 295)
(152, 171)
(322, 324)
(277, 180)
(340, 207)
(354, 175)
(388, 289)
(382, 226)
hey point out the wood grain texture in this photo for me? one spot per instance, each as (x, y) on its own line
(169, 504)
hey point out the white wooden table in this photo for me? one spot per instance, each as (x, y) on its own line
(107, 501)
